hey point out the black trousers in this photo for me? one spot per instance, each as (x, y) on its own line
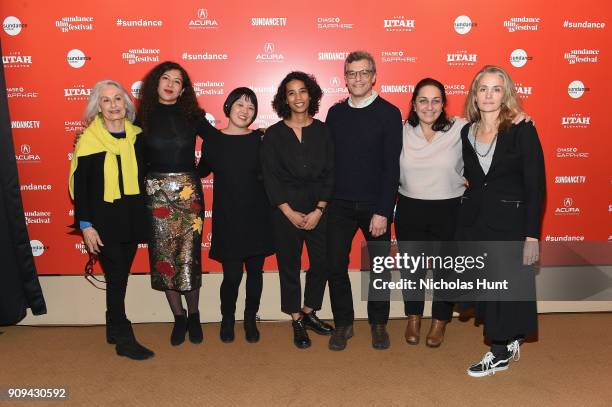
(345, 218)
(116, 260)
(289, 242)
(418, 224)
(232, 276)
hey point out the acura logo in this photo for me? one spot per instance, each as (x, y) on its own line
(334, 81)
(25, 149)
(202, 14)
(567, 202)
(269, 47)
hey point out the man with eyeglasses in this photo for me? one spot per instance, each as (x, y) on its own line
(367, 133)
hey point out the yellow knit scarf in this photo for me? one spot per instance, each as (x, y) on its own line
(96, 139)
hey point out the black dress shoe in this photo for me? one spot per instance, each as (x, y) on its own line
(380, 337)
(340, 337)
(179, 329)
(312, 322)
(194, 327)
(227, 330)
(251, 333)
(300, 336)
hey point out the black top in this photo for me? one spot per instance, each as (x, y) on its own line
(298, 173)
(368, 143)
(123, 220)
(510, 197)
(241, 211)
(169, 141)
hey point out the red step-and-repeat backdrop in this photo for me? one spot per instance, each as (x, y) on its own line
(54, 52)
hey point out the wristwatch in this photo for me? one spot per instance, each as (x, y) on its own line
(322, 209)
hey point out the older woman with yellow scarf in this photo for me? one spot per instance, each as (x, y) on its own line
(106, 178)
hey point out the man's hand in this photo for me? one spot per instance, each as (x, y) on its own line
(312, 219)
(531, 251)
(378, 225)
(92, 240)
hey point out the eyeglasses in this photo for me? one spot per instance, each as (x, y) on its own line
(364, 73)
(89, 275)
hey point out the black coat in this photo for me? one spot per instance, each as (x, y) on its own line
(125, 219)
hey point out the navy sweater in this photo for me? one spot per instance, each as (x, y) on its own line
(368, 143)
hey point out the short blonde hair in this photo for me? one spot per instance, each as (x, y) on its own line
(510, 105)
(92, 108)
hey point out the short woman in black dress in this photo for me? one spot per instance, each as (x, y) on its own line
(171, 119)
(297, 162)
(503, 202)
(241, 235)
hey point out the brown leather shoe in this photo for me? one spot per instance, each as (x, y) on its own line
(413, 329)
(435, 337)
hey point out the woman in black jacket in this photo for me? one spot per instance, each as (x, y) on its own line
(106, 182)
(504, 167)
(297, 162)
(241, 235)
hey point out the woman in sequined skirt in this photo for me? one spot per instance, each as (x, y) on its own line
(171, 119)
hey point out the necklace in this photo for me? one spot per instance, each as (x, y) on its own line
(490, 144)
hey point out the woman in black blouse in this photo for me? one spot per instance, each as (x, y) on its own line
(106, 176)
(503, 202)
(297, 163)
(241, 235)
(171, 118)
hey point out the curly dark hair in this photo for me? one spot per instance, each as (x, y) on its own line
(279, 103)
(149, 97)
(442, 123)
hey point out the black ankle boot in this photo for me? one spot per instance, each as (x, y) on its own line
(195, 328)
(126, 344)
(251, 333)
(227, 329)
(110, 338)
(179, 329)
(300, 336)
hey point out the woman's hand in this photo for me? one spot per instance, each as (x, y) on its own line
(520, 117)
(531, 251)
(92, 240)
(312, 219)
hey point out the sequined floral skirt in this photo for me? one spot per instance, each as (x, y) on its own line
(176, 209)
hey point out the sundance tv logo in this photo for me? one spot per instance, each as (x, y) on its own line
(26, 155)
(576, 89)
(269, 54)
(12, 26)
(463, 25)
(399, 88)
(16, 60)
(25, 124)
(332, 56)
(568, 207)
(576, 121)
(76, 58)
(399, 24)
(202, 21)
(268, 21)
(570, 179)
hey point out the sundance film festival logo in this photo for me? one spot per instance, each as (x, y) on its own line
(208, 88)
(270, 90)
(519, 58)
(523, 91)
(396, 56)
(37, 217)
(576, 89)
(266, 119)
(567, 208)
(461, 58)
(398, 24)
(399, 88)
(73, 126)
(135, 89)
(76, 58)
(20, 92)
(455, 89)
(581, 56)
(78, 92)
(140, 55)
(332, 56)
(268, 21)
(514, 24)
(571, 152)
(16, 60)
(26, 155)
(463, 25)
(335, 87)
(333, 23)
(269, 54)
(576, 121)
(570, 179)
(74, 23)
(12, 25)
(202, 21)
